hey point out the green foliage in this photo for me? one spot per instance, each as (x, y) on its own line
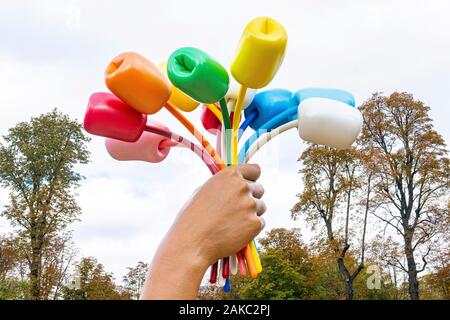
(279, 281)
(93, 283)
(14, 289)
(37, 165)
(436, 285)
(294, 271)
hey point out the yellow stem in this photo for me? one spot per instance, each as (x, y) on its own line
(236, 122)
(214, 109)
(255, 256)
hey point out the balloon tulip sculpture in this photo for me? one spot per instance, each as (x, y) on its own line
(191, 77)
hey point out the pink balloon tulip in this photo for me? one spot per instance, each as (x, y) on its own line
(149, 147)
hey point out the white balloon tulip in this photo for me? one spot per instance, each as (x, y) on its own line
(329, 122)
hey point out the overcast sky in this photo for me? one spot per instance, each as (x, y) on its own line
(53, 54)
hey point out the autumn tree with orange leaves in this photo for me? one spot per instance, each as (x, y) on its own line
(411, 173)
(333, 183)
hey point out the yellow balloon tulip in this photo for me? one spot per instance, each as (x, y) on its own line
(178, 98)
(260, 52)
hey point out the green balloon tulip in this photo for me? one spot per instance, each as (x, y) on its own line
(198, 75)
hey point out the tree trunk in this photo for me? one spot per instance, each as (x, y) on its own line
(347, 278)
(35, 268)
(412, 269)
(348, 289)
(329, 227)
(34, 275)
(395, 283)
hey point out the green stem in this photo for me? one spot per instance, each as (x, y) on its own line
(227, 124)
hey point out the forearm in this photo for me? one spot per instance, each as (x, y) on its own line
(175, 273)
(219, 220)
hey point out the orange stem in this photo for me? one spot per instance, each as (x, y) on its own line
(197, 134)
(250, 262)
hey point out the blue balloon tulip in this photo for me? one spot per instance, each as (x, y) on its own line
(268, 104)
(333, 94)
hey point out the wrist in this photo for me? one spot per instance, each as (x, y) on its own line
(176, 270)
(190, 254)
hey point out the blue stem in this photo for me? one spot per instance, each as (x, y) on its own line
(289, 114)
(227, 286)
(247, 122)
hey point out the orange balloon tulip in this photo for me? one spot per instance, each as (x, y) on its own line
(138, 82)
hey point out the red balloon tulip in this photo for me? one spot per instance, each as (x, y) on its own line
(210, 121)
(110, 117)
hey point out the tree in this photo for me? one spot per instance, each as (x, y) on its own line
(385, 253)
(293, 270)
(286, 265)
(134, 279)
(279, 281)
(287, 244)
(412, 175)
(325, 278)
(436, 285)
(93, 283)
(12, 286)
(332, 177)
(37, 161)
(57, 259)
(8, 257)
